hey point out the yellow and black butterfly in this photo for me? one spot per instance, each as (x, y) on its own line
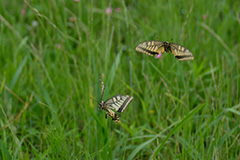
(156, 48)
(118, 103)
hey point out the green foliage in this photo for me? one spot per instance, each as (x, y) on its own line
(54, 52)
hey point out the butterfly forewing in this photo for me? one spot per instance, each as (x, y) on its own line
(181, 53)
(103, 88)
(119, 103)
(151, 48)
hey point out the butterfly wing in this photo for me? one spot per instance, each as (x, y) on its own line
(103, 88)
(113, 115)
(181, 53)
(151, 48)
(118, 103)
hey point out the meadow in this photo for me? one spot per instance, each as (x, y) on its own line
(54, 52)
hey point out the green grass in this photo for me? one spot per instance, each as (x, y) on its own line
(53, 55)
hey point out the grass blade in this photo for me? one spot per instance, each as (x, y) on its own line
(157, 150)
(18, 72)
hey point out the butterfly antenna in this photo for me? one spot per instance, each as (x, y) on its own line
(93, 99)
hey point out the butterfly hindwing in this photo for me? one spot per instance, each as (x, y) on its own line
(113, 115)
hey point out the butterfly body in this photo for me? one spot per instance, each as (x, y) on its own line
(167, 47)
(152, 48)
(114, 104)
(109, 112)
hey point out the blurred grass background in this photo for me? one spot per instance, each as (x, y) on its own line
(53, 53)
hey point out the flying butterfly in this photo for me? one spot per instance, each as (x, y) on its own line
(156, 48)
(117, 103)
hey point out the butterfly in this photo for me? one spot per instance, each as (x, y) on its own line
(117, 103)
(158, 47)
